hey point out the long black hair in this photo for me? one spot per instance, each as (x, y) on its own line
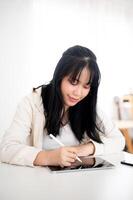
(82, 116)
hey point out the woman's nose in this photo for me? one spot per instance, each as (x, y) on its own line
(78, 91)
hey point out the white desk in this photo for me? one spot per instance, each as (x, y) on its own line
(25, 183)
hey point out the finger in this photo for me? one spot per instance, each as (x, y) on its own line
(70, 160)
(69, 152)
(67, 164)
(72, 150)
(71, 155)
(62, 165)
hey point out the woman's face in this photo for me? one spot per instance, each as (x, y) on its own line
(74, 91)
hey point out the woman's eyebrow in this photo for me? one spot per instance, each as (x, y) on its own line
(89, 82)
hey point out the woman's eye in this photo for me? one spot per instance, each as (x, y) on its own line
(73, 82)
(87, 86)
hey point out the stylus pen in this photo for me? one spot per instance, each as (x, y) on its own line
(62, 145)
(126, 163)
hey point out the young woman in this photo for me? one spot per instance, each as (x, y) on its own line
(66, 108)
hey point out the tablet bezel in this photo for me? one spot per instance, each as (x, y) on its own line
(98, 161)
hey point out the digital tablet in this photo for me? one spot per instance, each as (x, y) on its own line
(88, 163)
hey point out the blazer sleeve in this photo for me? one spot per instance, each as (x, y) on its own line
(14, 147)
(112, 138)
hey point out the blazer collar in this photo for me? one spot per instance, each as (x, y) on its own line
(38, 100)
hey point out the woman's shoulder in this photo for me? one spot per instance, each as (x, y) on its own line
(105, 121)
(33, 99)
(34, 96)
(102, 115)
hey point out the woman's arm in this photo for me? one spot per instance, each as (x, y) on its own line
(112, 138)
(14, 147)
(85, 149)
(63, 156)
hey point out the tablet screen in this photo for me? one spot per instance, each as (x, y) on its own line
(88, 163)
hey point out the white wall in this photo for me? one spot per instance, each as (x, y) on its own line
(34, 33)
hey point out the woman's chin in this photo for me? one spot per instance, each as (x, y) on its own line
(70, 104)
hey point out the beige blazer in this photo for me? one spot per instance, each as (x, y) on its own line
(24, 138)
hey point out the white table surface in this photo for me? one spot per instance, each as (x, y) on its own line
(25, 183)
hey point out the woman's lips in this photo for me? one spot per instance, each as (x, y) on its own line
(73, 100)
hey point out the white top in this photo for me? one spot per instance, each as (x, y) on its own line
(66, 137)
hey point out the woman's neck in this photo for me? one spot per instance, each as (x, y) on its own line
(65, 118)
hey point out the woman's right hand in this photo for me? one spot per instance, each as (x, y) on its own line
(63, 156)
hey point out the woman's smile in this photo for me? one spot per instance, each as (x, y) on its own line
(73, 100)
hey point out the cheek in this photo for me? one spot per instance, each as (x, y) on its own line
(86, 92)
(65, 88)
(68, 90)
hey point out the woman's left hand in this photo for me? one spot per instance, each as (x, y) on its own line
(85, 149)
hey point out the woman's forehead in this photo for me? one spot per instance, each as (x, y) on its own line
(83, 75)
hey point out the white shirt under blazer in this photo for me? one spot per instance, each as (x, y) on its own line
(25, 138)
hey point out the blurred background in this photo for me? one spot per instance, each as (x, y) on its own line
(34, 33)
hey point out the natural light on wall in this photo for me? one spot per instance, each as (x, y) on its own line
(104, 27)
(35, 33)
